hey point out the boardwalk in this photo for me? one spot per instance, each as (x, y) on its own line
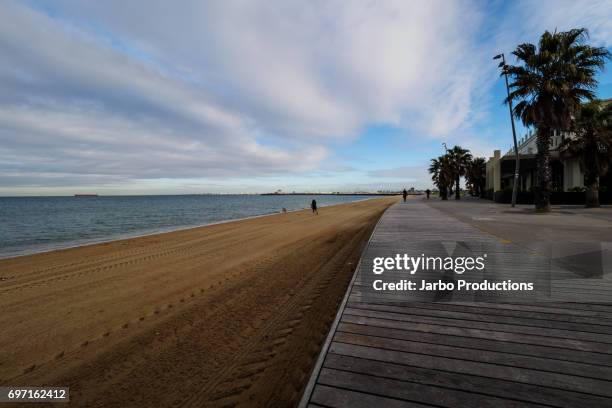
(382, 352)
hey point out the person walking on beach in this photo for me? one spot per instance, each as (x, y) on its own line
(404, 194)
(313, 205)
(428, 192)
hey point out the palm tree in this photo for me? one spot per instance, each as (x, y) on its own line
(441, 175)
(476, 175)
(435, 169)
(460, 159)
(592, 143)
(550, 84)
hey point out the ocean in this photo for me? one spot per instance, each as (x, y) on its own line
(36, 224)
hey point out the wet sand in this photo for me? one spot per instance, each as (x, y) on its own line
(224, 315)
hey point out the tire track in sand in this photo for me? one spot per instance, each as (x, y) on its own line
(228, 387)
(251, 340)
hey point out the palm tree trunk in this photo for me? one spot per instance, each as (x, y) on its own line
(542, 193)
(592, 190)
(457, 195)
(591, 175)
(592, 195)
(444, 193)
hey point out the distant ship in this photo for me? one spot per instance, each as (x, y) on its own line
(85, 195)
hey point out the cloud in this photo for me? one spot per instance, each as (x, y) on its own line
(221, 90)
(218, 89)
(407, 173)
(76, 106)
(526, 20)
(314, 68)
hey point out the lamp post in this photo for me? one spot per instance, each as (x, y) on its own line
(451, 187)
(502, 65)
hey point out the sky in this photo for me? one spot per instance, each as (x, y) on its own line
(158, 97)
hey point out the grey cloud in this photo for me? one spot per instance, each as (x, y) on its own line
(216, 89)
(73, 106)
(200, 92)
(411, 173)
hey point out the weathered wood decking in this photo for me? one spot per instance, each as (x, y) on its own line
(381, 353)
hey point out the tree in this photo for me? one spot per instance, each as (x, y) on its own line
(441, 175)
(592, 144)
(460, 159)
(550, 84)
(476, 176)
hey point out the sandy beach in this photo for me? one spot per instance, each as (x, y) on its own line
(227, 314)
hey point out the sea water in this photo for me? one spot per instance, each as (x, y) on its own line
(37, 224)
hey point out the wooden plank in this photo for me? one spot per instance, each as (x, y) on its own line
(567, 344)
(340, 398)
(517, 374)
(498, 327)
(483, 317)
(548, 308)
(483, 356)
(415, 392)
(485, 309)
(552, 303)
(468, 383)
(523, 349)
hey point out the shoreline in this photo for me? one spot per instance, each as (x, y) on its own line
(122, 237)
(184, 316)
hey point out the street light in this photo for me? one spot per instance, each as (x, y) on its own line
(503, 66)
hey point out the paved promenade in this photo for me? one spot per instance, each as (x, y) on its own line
(385, 350)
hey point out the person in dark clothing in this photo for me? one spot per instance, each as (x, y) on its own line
(313, 205)
(404, 194)
(428, 192)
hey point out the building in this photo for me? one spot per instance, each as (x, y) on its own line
(566, 172)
